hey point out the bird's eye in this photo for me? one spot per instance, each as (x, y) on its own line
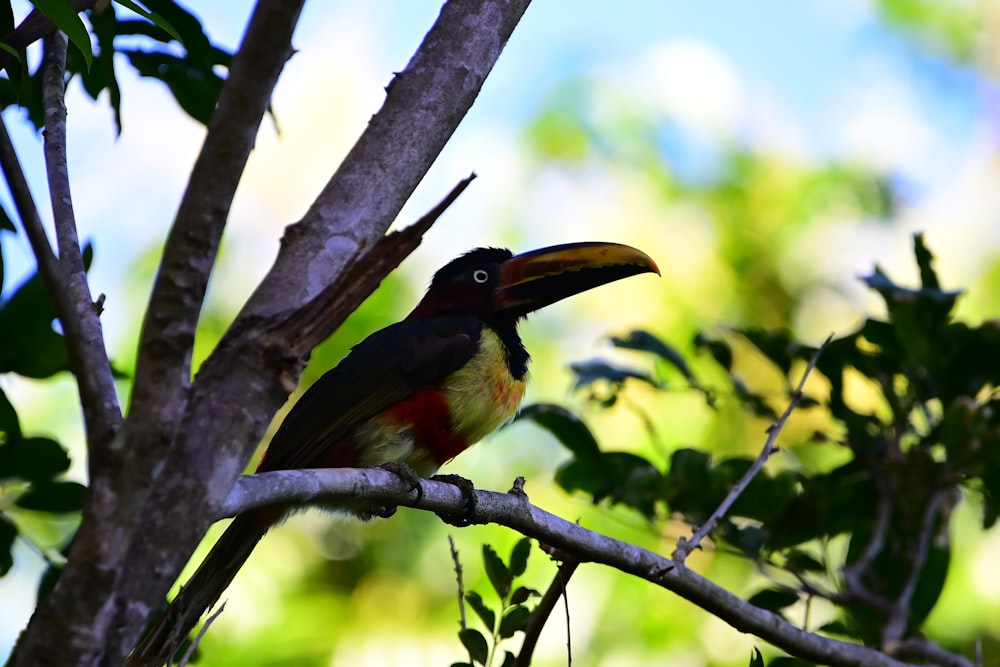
(480, 276)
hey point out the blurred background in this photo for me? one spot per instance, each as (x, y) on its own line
(765, 154)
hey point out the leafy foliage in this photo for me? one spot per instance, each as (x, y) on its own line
(150, 37)
(930, 434)
(507, 619)
(159, 38)
(30, 466)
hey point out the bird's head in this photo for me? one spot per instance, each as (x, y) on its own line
(500, 287)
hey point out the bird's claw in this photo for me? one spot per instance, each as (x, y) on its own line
(405, 473)
(468, 513)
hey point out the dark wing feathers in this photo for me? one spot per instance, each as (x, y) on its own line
(380, 371)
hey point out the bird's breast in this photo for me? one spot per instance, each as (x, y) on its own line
(482, 395)
(436, 424)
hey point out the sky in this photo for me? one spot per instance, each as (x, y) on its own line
(810, 78)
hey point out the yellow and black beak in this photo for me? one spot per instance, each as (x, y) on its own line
(535, 279)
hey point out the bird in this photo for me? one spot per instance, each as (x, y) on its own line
(414, 394)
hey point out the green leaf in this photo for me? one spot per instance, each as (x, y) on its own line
(519, 556)
(195, 85)
(522, 594)
(621, 477)
(756, 659)
(508, 659)
(797, 560)
(515, 620)
(593, 371)
(155, 18)
(54, 497)
(644, 341)
(62, 14)
(32, 459)
(31, 348)
(9, 426)
(719, 350)
(475, 644)
(777, 346)
(485, 614)
(497, 572)
(8, 533)
(6, 224)
(14, 53)
(773, 599)
(568, 429)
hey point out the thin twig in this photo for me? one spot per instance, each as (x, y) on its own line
(458, 580)
(686, 546)
(461, 589)
(544, 609)
(81, 321)
(895, 627)
(201, 634)
(854, 573)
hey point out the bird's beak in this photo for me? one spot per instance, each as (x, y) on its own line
(535, 279)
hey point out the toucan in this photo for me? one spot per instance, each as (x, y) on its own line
(416, 394)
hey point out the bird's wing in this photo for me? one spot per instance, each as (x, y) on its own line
(380, 371)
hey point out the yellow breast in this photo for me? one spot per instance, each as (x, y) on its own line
(483, 395)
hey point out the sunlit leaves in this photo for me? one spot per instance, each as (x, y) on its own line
(928, 428)
(159, 38)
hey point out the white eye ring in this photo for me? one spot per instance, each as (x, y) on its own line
(480, 276)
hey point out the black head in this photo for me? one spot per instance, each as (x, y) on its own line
(465, 286)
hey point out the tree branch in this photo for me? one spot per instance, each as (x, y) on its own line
(163, 366)
(423, 107)
(686, 546)
(895, 626)
(247, 378)
(536, 623)
(926, 651)
(514, 511)
(84, 610)
(82, 325)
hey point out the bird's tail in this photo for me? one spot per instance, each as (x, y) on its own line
(203, 589)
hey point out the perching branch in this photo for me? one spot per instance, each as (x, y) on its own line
(516, 512)
(686, 546)
(81, 325)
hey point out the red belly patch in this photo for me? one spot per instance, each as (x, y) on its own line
(427, 412)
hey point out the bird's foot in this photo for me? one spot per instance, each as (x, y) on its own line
(405, 473)
(468, 513)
